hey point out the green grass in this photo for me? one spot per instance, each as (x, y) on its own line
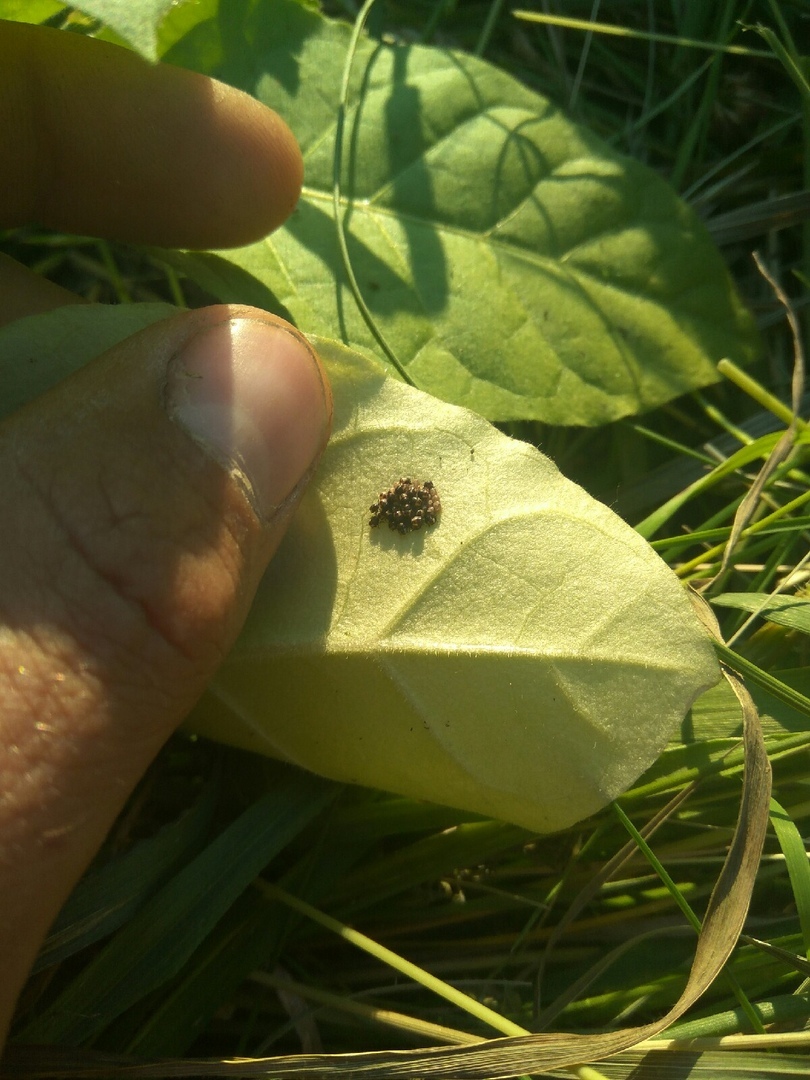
(552, 933)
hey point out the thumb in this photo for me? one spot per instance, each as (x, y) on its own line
(141, 501)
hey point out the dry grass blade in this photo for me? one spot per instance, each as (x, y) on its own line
(587, 894)
(505, 1057)
(785, 444)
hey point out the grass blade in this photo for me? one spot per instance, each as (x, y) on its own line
(154, 945)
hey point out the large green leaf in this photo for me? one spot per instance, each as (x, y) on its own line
(516, 263)
(526, 658)
(136, 23)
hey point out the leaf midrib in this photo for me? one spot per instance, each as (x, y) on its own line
(561, 264)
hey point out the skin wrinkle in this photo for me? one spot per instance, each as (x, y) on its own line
(63, 646)
(91, 746)
(108, 536)
(135, 660)
(227, 547)
(69, 541)
(63, 682)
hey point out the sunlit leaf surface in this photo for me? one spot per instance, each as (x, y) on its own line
(516, 263)
(137, 24)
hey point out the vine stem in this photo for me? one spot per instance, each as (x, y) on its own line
(343, 247)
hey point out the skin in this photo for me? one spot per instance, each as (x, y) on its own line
(128, 556)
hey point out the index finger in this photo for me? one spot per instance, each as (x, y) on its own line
(100, 142)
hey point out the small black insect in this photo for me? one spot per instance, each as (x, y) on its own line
(406, 506)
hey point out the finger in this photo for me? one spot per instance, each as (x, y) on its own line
(142, 499)
(22, 292)
(104, 143)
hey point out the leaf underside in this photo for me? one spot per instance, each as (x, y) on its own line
(525, 658)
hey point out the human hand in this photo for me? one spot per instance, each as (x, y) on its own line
(142, 498)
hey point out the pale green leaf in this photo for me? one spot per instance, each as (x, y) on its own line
(526, 658)
(38, 352)
(516, 263)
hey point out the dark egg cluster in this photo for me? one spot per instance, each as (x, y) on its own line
(406, 506)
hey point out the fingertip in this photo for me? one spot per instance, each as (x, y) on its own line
(109, 145)
(252, 393)
(273, 186)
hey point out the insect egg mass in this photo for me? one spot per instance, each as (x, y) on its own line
(406, 506)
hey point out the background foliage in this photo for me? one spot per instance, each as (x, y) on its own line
(555, 931)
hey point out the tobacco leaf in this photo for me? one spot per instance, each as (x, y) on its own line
(525, 658)
(515, 262)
